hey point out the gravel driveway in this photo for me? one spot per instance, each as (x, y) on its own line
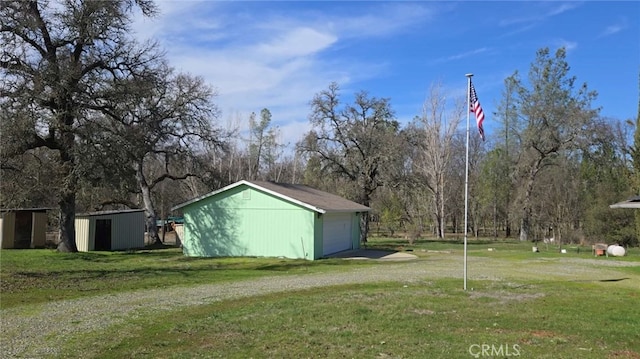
(38, 331)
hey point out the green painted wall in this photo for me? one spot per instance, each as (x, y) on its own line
(243, 221)
(318, 233)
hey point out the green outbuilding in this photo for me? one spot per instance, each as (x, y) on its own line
(268, 219)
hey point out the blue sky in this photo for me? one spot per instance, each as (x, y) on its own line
(279, 54)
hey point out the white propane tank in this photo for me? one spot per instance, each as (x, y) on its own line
(616, 251)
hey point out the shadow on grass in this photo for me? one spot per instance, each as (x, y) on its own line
(377, 252)
(600, 280)
(163, 251)
(304, 264)
(184, 266)
(123, 274)
(283, 267)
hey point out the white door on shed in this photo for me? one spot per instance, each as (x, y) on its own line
(336, 231)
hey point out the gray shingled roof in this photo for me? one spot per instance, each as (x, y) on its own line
(311, 198)
(324, 200)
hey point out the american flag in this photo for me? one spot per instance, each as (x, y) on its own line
(474, 106)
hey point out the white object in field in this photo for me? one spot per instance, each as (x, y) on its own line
(616, 251)
(563, 251)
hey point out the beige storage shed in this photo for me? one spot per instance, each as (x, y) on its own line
(110, 230)
(23, 227)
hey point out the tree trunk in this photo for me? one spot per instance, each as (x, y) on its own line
(67, 223)
(438, 226)
(443, 224)
(68, 196)
(149, 210)
(364, 227)
(364, 220)
(525, 222)
(495, 220)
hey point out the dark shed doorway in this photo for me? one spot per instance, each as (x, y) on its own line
(23, 230)
(103, 235)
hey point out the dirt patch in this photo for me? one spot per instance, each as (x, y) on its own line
(543, 334)
(374, 254)
(626, 354)
(423, 312)
(170, 238)
(505, 297)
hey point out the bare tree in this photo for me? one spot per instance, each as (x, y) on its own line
(51, 59)
(434, 150)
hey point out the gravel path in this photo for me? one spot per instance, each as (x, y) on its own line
(37, 331)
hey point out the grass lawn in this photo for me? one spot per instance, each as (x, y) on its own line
(39, 276)
(433, 319)
(521, 311)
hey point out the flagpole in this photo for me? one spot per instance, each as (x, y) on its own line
(466, 182)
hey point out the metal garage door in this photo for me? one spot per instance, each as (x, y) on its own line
(336, 233)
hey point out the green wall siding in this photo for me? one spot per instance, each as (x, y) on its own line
(318, 235)
(243, 221)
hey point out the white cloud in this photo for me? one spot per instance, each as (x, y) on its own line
(568, 45)
(562, 8)
(610, 30)
(296, 42)
(467, 54)
(293, 131)
(461, 56)
(171, 17)
(389, 19)
(276, 59)
(614, 28)
(537, 17)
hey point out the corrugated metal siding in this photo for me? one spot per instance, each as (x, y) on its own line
(127, 231)
(38, 229)
(245, 222)
(179, 233)
(35, 237)
(82, 234)
(8, 230)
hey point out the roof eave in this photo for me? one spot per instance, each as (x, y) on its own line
(625, 205)
(212, 193)
(252, 185)
(266, 190)
(347, 210)
(287, 198)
